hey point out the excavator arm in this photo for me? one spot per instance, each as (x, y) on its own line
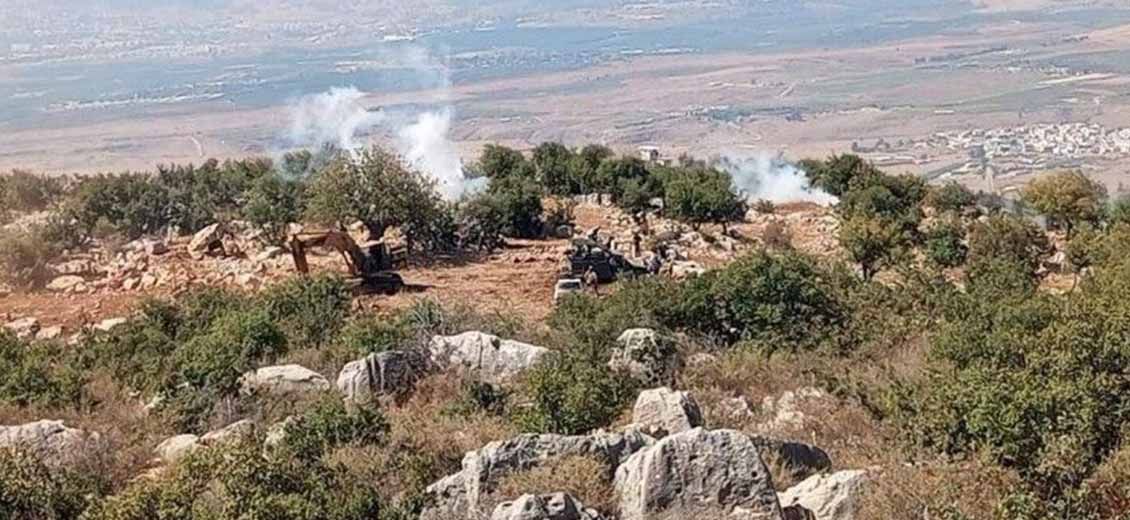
(336, 240)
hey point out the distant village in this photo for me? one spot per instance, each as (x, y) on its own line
(1013, 150)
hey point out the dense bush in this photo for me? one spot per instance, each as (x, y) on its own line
(950, 197)
(1067, 198)
(37, 374)
(703, 195)
(1008, 239)
(23, 191)
(310, 309)
(25, 256)
(31, 489)
(944, 243)
(271, 204)
(571, 395)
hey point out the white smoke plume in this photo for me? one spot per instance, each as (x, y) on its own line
(423, 138)
(771, 178)
(334, 117)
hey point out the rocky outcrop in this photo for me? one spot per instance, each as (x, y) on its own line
(645, 356)
(489, 357)
(23, 327)
(206, 240)
(65, 283)
(829, 497)
(283, 380)
(708, 472)
(799, 459)
(52, 441)
(178, 446)
(460, 495)
(661, 411)
(558, 506)
(384, 373)
(787, 410)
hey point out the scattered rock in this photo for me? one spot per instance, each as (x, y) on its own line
(829, 497)
(558, 506)
(110, 324)
(661, 411)
(177, 447)
(23, 327)
(737, 408)
(156, 248)
(283, 380)
(205, 241)
(704, 471)
(459, 495)
(646, 356)
(682, 270)
(49, 333)
(785, 411)
(384, 373)
(244, 429)
(277, 432)
(269, 253)
(131, 284)
(52, 441)
(65, 283)
(489, 357)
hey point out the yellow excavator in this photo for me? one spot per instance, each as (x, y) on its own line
(371, 265)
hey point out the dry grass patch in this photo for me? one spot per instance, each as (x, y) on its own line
(587, 479)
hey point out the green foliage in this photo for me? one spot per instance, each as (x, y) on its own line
(273, 203)
(702, 195)
(571, 395)
(510, 207)
(373, 334)
(309, 309)
(1008, 239)
(37, 374)
(329, 425)
(613, 175)
(30, 489)
(944, 243)
(24, 258)
(597, 322)
(377, 189)
(1036, 381)
(499, 161)
(25, 192)
(1118, 212)
(553, 161)
(774, 301)
(240, 482)
(1068, 198)
(476, 397)
(872, 242)
(839, 174)
(950, 197)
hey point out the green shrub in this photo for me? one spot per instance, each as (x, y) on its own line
(24, 258)
(1068, 198)
(272, 204)
(950, 197)
(571, 395)
(776, 301)
(702, 195)
(329, 425)
(595, 322)
(309, 309)
(373, 334)
(32, 490)
(1008, 239)
(944, 243)
(37, 374)
(240, 482)
(25, 192)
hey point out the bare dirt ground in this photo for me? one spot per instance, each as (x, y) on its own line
(515, 281)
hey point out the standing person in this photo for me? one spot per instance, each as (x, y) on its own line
(636, 244)
(592, 280)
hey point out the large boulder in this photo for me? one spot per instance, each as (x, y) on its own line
(661, 411)
(236, 431)
(65, 283)
(799, 459)
(558, 506)
(829, 497)
(23, 327)
(489, 357)
(206, 240)
(283, 380)
(384, 373)
(645, 356)
(177, 447)
(460, 495)
(711, 473)
(52, 441)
